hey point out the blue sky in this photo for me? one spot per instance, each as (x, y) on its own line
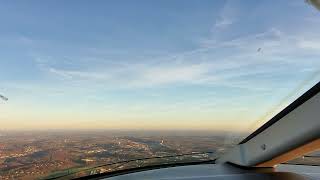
(154, 65)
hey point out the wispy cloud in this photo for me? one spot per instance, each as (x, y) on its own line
(212, 63)
(138, 76)
(223, 22)
(80, 75)
(227, 16)
(309, 44)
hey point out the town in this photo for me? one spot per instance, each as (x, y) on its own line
(34, 155)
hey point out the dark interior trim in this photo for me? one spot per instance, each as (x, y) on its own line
(139, 169)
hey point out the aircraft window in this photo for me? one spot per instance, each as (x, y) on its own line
(87, 84)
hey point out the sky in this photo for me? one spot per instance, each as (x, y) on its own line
(214, 65)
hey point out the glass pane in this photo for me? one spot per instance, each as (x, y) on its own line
(84, 84)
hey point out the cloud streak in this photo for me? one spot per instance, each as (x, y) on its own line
(213, 63)
(226, 16)
(223, 22)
